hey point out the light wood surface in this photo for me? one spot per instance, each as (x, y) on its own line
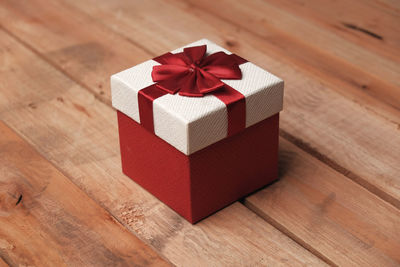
(78, 123)
(328, 213)
(3, 263)
(338, 196)
(46, 219)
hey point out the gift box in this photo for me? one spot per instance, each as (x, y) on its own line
(198, 127)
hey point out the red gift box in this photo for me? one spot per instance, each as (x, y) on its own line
(198, 129)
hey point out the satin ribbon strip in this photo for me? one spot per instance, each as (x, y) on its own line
(239, 60)
(146, 97)
(233, 99)
(236, 107)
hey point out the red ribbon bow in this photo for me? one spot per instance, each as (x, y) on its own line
(193, 74)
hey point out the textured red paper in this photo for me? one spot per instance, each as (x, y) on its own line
(197, 185)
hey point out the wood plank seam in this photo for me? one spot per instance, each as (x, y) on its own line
(303, 190)
(57, 67)
(4, 262)
(334, 165)
(371, 110)
(338, 27)
(286, 231)
(122, 224)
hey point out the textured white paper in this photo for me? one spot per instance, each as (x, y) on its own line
(192, 123)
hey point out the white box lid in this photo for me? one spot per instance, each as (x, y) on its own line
(193, 123)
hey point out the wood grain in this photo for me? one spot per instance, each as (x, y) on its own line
(144, 25)
(329, 214)
(390, 6)
(371, 25)
(3, 263)
(322, 55)
(353, 141)
(61, 39)
(46, 220)
(341, 109)
(79, 135)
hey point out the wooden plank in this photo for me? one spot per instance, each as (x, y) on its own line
(369, 24)
(72, 44)
(329, 214)
(3, 263)
(81, 50)
(390, 6)
(46, 220)
(317, 161)
(349, 80)
(353, 141)
(318, 164)
(343, 232)
(79, 135)
(325, 54)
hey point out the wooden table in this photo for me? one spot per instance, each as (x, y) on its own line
(64, 200)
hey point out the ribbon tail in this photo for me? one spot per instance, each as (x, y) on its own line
(195, 53)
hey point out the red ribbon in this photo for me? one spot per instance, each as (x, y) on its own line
(191, 73)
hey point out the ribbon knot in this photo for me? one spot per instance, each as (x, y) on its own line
(192, 67)
(192, 73)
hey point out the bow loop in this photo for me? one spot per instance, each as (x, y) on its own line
(172, 59)
(224, 72)
(195, 54)
(192, 73)
(167, 72)
(219, 58)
